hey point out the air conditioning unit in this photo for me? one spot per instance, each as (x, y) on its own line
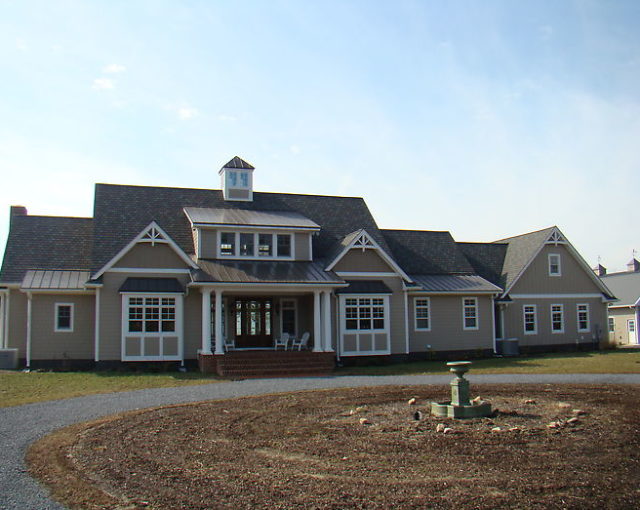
(8, 359)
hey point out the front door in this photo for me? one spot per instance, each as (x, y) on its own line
(631, 329)
(253, 322)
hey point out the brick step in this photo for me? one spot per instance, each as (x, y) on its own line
(287, 355)
(266, 363)
(286, 372)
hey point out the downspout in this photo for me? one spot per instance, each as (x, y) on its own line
(6, 318)
(493, 323)
(28, 353)
(96, 339)
(406, 318)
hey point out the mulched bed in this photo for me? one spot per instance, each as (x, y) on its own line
(311, 450)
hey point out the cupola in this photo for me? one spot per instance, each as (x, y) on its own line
(633, 266)
(237, 180)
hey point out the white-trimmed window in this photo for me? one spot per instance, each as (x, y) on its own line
(529, 319)
(255, 245)
(555, 267)
(422, 314)
(584, 325)
(151, 315)
(612, 324)
(63, 318)
(364, 324)
(557, 318)
(470, 313)
(365, 314)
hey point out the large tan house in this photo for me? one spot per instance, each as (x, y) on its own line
(624, 314)
(238, 280)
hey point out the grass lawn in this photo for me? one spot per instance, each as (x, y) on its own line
(17, 388)
(604, 362)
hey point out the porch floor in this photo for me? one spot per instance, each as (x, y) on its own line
(260, 363)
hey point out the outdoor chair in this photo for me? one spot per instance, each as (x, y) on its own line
(301, 343)
(229, 344)
(283, 341)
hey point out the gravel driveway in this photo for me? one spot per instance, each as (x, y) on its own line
(20, 426)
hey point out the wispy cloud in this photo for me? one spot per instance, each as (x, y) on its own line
(103, 84)
(187, 112)
(114, 69)
(295, 149)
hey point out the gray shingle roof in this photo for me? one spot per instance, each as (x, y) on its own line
(520, 250)
(237, 162)
(46, 242)
(426, 252)
(365, 287)
(625, 286)
(487, 259)
(121, 212)
(135, 284)
(263, 271)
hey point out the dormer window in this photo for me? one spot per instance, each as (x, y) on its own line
(284, 245)
(237, 180)
(253, 245)
(227, 243)
(265, 245)
(554, 264)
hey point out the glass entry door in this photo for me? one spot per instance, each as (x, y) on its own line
(253, 323)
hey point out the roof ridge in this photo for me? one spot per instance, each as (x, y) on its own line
(416, 231)
(525, 234)
(58, 217)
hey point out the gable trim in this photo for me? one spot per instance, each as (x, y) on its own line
(559, 235)
(364, 241)
(153, 234)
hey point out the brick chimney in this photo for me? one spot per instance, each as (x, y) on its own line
(600, 270)
(17, 210)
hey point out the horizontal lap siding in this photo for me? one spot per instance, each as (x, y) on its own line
(620, 317)
(447, 333)
(362, 260)
(514, 321)
(18, 322)
(47, 344)
(160, 256)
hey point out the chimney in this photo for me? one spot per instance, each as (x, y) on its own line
(633, 266)
(17, 210)
(600, 270)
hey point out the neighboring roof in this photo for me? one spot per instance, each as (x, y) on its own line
(426, 252)
(237, 162)
(520, 250)
(232, 271)
(202, 215)
(487, 259)
(151, 285)
(454, 283)
(46, 242)
(54, 280)
(624, 285)
(121, 212)
(365, 287)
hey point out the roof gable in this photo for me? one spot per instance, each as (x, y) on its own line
(625, 286)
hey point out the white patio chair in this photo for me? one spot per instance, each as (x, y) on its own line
(302, 342)
(229, 344)
(283, 341)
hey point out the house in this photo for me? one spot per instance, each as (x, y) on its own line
(624, 315)
(218, 277)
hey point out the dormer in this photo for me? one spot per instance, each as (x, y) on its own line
(237, 180)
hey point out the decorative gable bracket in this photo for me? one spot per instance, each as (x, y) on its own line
(364, 241)
(556, 238)
(153, 235)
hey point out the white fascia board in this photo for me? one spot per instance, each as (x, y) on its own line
(59, 291)
(585, 295)
(524, 269)
(10, 285)
(265, 287)
(385, 256)
(136, 240)
(249, 226)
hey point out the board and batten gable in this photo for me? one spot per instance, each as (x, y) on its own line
(446, 331)
(159, 256)
(359, 260)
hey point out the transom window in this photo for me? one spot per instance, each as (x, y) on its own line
(255, 245)
(554, 264)
(470, 313)
(529, 318)
(364, 314)
(583, 318)
(64, 317)
(151, 314)
(557, 319)
(422, 314)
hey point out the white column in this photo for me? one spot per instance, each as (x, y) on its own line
(206, 321)
(317, 328)
(29, 299)
(96, 333)
(218, 323)
(326, 308)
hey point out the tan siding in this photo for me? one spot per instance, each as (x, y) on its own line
(620, 317)
(192, 324)
(111, 312)
(514, 327)
(536, 278)
(159, 256)
(302, 244)
(46, 344)
(18, 322)
(208, 239)
(447, 333)
(362, 260)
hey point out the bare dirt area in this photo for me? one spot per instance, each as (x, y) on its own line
(547, 446)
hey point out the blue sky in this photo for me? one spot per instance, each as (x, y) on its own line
(484, 118)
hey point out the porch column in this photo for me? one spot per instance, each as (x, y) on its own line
(317, 327)
(326, 309)
(218, 323)
(206, 321)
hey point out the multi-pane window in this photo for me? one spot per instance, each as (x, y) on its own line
(557, 319)
(470, 313)
(151, 314)
(612, 325)
(554, 264)
(422, 314)
(529, 317)
(253, 245)
(64, 317)
(364, 314)
(583, 318)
